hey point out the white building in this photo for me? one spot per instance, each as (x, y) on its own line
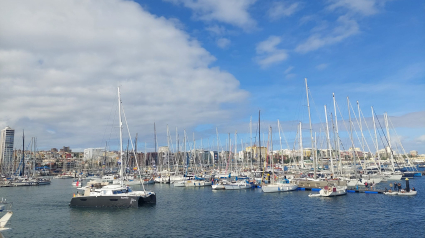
(93, 153)
(7, 138)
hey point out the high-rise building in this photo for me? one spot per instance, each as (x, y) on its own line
(7, 138)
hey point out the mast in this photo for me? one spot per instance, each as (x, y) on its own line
(389, 140)
(311, 130)
(376, 140)
(301, 147)
(120, 125)
(236, 146)
(329, 142)
(156, 155)
(259, 137)
(168, 150)
(280, 141)
(250, 131)
(218, 152)
(351, 137)
(271, 152)
(23, 152)
(337, 157)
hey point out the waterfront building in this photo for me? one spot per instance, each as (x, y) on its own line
(414, 153)
(7, 138)
(93, 153)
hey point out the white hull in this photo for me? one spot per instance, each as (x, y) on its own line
(411, 193)
(355, 182)
(331, 192)
(237, 186)
(273, 188)
(218, 187)
(179, 184)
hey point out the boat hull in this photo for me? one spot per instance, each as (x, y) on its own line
(274, 188)
(112, 201)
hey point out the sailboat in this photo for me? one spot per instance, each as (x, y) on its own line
(280, 186)
(116, 195)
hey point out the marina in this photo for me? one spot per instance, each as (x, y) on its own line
(212, 118)
(200, 210)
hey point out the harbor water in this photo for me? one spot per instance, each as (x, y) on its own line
(43, 211)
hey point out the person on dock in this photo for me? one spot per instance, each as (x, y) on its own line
(365, 184)
(391, 186)
(395, 186)
(386, 190)
(399, 186)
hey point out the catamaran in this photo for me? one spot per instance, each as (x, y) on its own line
(116, 195)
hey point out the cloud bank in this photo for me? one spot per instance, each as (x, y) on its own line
(61, 62)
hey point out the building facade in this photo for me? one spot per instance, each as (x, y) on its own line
(7, 139)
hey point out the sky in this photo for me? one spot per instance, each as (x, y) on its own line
(208, 66)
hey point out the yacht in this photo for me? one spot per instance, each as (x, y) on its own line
(115, 195)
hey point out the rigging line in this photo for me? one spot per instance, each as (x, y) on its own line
(384, 137)
(362, 133)
(132, 146)
(373, 141)
(398, 138)
(317, 112)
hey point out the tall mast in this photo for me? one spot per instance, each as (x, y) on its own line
(376, 140)
(280, 141)
(361, 127)
(185, 153)
(389, 140)
(236, 149)
(156, 155)
(271, 152)
(218, 151)
(351, 137)
(120, 125)
(259, 136)
(301, 147)
(337, 157)
(168, 150)
(311, 130)
(329, 143)
(250, 131)
(23, 152)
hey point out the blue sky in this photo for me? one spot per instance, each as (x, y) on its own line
(198, 65)
(372, 52)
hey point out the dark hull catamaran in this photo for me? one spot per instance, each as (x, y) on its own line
(112, 201)
(117, 195)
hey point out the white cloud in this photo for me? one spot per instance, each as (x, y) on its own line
(233, 12)
(223, 43)
(217, 30)
(321, 66)
(62, 60)
(364, 7)
(268, 53)
(345, 28)
(421, 138)
(281, 9)
(289, 69)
